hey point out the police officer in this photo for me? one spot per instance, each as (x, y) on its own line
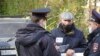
(93, 48)
(68, 35)
(34, 40)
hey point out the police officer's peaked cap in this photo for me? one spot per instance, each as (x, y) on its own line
(40, 12)
(95, 16)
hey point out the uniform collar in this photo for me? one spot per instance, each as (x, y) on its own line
(34, 26)
(93, 34)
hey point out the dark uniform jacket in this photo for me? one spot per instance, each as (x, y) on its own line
(76, 40)
(34, 41)
(93, 48)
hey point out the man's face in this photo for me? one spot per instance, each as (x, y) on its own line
(66, 22)
(92, 26)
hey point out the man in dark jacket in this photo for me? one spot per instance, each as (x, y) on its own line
(93, 48)
(68, 35)
(34, 40)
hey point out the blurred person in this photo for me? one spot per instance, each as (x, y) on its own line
(67, 36)
(93, 48)
(34, 40)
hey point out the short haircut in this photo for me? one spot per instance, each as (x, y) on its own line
(36, 19)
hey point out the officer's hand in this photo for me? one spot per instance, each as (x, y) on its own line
(57, 47)
(70, 52)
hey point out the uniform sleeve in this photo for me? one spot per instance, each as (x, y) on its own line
(53, 32)
(95, 49)
(82, 44)
(50, 49)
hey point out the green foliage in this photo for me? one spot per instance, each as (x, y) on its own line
(2, 5)
(22, 7)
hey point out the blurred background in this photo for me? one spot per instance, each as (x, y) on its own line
(80, 8)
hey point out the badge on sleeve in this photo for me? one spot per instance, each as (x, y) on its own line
(59, 40)
(95, 47)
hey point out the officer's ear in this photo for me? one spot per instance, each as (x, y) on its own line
(42, 20)
(98, 25)
(35, 19)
